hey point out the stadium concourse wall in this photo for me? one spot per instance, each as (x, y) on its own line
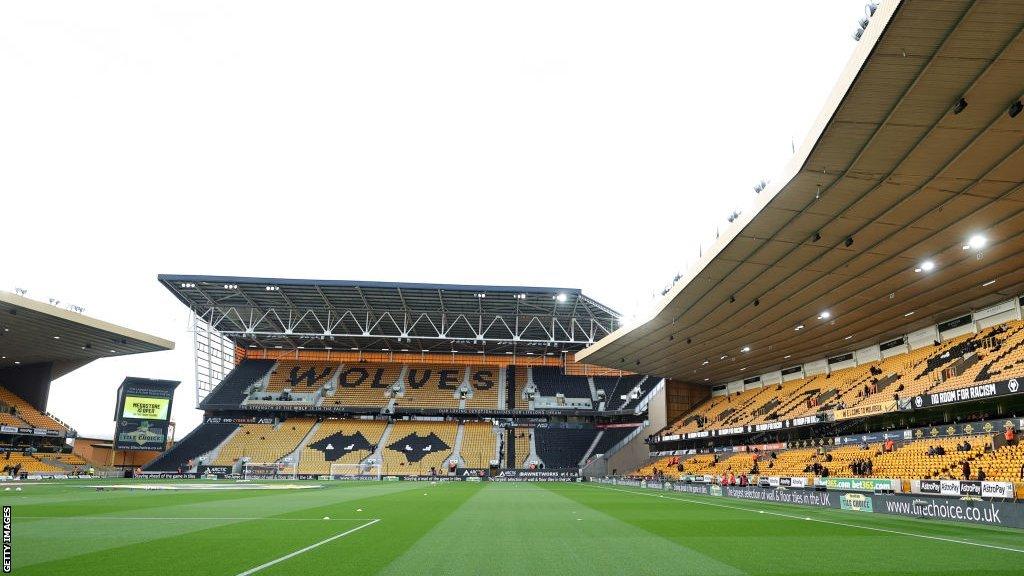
(1002, 513)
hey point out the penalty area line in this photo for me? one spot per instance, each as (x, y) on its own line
(307, 548)
(833, 522)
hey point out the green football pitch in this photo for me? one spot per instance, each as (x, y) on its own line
(412, 528)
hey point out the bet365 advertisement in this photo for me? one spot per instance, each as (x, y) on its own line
(143, 413)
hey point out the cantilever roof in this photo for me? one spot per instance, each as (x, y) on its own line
(382, 316)
(889, 167)
(32, 332)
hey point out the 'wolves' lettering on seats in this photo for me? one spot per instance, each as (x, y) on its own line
(415, 447)
(354, 377)
(337, 445)
(482, 379)
(446, 379)
(449, 379)
(309, 375)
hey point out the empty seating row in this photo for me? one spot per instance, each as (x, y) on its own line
(563, 447)
(204, 438)
(264, 443)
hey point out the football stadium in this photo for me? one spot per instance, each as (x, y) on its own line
(835, 386)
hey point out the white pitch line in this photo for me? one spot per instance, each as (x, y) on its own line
(190, 518)
(306, 549)
(873, 528)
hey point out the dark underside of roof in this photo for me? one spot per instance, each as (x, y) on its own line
(896, 176)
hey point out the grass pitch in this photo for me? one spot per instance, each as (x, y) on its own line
(413, 528)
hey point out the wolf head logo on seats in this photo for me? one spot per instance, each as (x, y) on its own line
(415, 447)
(337, 445)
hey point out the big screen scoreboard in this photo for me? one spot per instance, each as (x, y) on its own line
(143, 413)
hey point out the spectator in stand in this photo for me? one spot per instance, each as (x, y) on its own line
(889, 445)
(981, 474)
(967, 446)
(940, 451)
(931, 451)
(1010, 435)
(967, 470)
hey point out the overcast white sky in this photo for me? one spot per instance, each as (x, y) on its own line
(556, 143)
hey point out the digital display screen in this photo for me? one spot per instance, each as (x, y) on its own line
(141, 407)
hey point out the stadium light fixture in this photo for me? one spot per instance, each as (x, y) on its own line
(960, 106)
(707, 379)
(745, 349)
(824, 315)
(799, 327)
(56, 337)
(976, 242)
(723, 357)
(705, 363)
(742, 369)
(909, 314)
(848, 337)
(989, 283)
(786, 357)
(561, 297)
(926, 266)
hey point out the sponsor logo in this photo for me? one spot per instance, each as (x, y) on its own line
(856, 502)
(1013, 385)
(997, 489)
(970, 488)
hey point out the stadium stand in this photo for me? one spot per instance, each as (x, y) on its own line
(665, 467)
(340, 442)
(28, 464)
(521, 437)
(24, 411)
(485, 382)
(912, 460)
(478, 445)
(414, 447)
(552, 381)
(300, 377)
(365, 384)
(610, 437)
(232, 390)
(8, 419)
(563, 447)
(996, 352)
(615, 388)
(1005, 464)
(432, 386)
(264, 443)
(203, 439)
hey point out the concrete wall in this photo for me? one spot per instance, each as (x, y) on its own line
(636, 453)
